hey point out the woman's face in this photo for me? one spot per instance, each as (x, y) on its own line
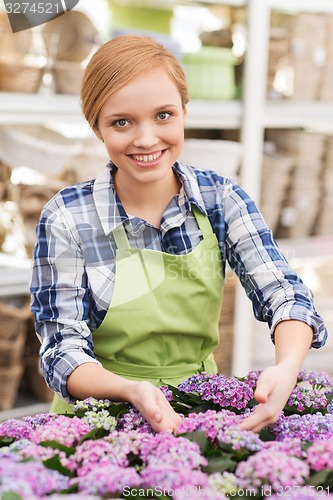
(142, 126)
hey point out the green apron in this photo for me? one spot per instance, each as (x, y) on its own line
(162, 324)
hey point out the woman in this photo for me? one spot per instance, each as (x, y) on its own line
(128, 268)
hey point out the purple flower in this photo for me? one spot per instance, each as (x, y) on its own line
(29, 479)
(72, 496)
(39, 453)
(64, 430)
(40, 419)
(106, 479)
(320, 455)
(17, 429)
(211, 422)
(221, 390)
(271, 469)
(169, 479)
(173, 452)
(133, 420)
(316, 378)
(111, 450)
(305, 427)
(252, 378)
(239, 439)
(289, 446)
(307, 398)
(167, 393)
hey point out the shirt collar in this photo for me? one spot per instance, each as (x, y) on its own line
(110, 210)
(190, 184)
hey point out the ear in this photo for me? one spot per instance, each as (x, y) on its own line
(98, 133)
(185, 114)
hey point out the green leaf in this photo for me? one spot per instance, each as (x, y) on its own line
(185, 397)
(219, 464)
(69, 450)
(118, 409)
(181, 408)
(10, 495)
(267, 435)
(252, 403)
(204, 407)
(55, 464)
(237, 455)
(6, 441)
(198, 437)
(322, 478)
(68, 491)
(96, 433)
(306, 445)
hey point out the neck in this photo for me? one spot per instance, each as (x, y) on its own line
(147, 195)
(150, 200)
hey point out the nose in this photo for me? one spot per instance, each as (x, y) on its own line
(146, 136)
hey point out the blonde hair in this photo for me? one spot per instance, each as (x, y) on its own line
(120, 60)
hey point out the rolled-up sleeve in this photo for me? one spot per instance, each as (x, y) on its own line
(60, 298)
(276, 291)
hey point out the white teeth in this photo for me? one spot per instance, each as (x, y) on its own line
(147, 158)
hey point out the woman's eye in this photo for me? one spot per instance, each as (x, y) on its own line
(120, 123)
(164, 115)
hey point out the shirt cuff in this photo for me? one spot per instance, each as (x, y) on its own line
(63, 393)
(313, 319)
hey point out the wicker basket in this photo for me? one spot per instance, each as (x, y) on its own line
(71, 37)
(223, 353)
(37, 147)
(19, 77)
(10, 378)
(67, 77)
(13, 331)
(35, 381)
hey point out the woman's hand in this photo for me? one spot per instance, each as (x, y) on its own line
(154, 407)
(292, 341)
(274, 387)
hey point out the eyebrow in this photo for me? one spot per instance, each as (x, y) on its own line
(124, 115)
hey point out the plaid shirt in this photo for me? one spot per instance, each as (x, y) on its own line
(74, 260)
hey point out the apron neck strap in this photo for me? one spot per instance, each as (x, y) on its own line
(203, 222)
(120, 236)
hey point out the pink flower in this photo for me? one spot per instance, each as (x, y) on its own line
(271, 469)
(65, 430)
(320, 455)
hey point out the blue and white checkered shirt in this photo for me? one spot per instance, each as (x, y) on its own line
(74, 260)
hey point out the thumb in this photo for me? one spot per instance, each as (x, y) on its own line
(262, 391)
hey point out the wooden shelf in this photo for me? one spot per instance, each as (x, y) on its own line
(320, 6)
(57, 108)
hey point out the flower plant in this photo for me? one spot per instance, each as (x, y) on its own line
(108, 450)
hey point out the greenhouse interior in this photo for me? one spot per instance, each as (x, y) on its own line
(259, 116)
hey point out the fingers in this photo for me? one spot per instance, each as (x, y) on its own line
(270, 403)
(265, 387)
(165, 419)
(154, 407)
(259, 419)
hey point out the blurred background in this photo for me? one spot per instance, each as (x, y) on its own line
(261, 112)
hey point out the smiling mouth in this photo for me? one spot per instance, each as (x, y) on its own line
(147, 158)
